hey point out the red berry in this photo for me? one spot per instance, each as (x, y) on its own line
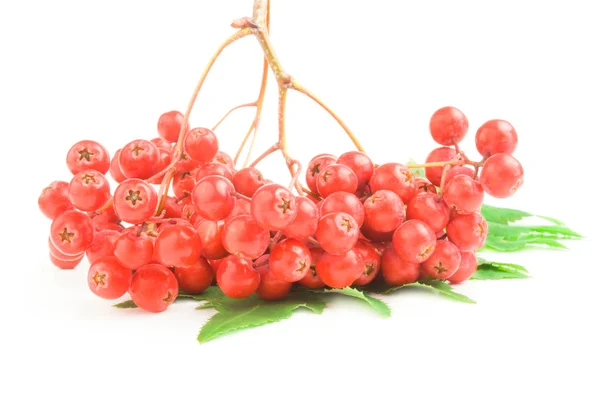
(103, 245)
(172, 208)
(444, 261)
(468, 232)
(214, 169)
(247, 181)
(210, 233)
(442, 154)
(312, 280)
(107, 279)
(236, 277)
(343, 202)
(54, 199)
(467, 267)
(501, 175)
(396, 178)
(271, 287)
(375, 236)
(337, 233)
(115, 169)
(290, 260)
(178, 246)
(201, 144)
(423, 186)
(213, 197)
(72, 232)
(430, 209)
(448, 126)
(89, 190)
(153, 287)
(66, 263)
(186, 163)
(360, 164)
(273, 207)
(314, 168)
(414, 241)
(169, 125)
(243, 236)
(384, 211)
(135, 201)
(133, 250)
(88, 155)
(459, 170)
(496, 136)
(223, 158)
(139, 159)
(241, 208)
(371, 261)
(164, 161)
(195, 279)
(395, 270)
(183, 184)
(335, 178)
(162, 144)
(105, 219)
(339, 271)
(305, 223)
(463, 194)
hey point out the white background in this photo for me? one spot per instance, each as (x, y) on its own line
(107, 70)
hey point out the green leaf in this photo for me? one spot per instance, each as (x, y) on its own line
(378, 305)
(491, 270)
(252, 312)
(438, 286)
(502, 215)
(126, 304)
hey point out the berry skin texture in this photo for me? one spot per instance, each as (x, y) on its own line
(442, 154)
(164, 160)
(213, 197)
(344, 202)
(463, 194)
(247, 181)
(66, 263)
(169, 125)
(183, 184)
(153, 288)
(236, 277)
(384, 211)
(468, 232)
(395, 270)
(201, 144)
(396, 178)
(178, 246)
(360, 164)
(195, 279)
(108, 279)
(89, 190)
(54, 199)
(290, 260)
(72, 232)
(115, 169)
(444, 261)
(273, 207)
(414, 241)
(339, 271)
(335, 178)
(305, 223)
(496, 136)
(133, 250)
(430, 209)
(270, 287)
(103, 245)
(88, 155)
(467, 267)
(243, 236)
(458, 170)
(315, 166)
(210, 233)
(312, 280)
(139, 159)
(501, 175)
(214, 169)
(371, 261)
(135, 201)
(337, 233)
(448, 126)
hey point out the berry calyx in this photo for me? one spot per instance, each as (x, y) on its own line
(384, 211)
(337, 233)
(396, 178)
(290, 260)
(315, 166)
(139, 159)
(335, 178)
(414, 241)
(108, 279)
(72, 232)
(305, 223)
(135, 201)
(273, 207)
(444, 261)
(89, 190)
(371, 262)
(88, 155)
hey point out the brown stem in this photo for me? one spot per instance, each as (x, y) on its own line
(297, 172)
(231, 110)
(266, 153)
(437, 164)
(443, 180)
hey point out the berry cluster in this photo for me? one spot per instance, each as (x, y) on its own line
(356, 223)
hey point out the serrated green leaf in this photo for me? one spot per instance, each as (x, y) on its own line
(502, 215)
(126, 304)
(378, 305)
(556, 231)
(491, 270)
(438, 286)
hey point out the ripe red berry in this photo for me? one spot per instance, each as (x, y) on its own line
(315, 166)
(103, 245)
(414, 241)
(442, 154)
(153, 287)
(195, 279)
(444, 261)
(271, 287)
(396, 178)
(305, 223)
(54, 199)
(214, 169)
(72, 232)
(105, 219)
(343, 202)
(375, 236)
(273, 207)
(164, 161)
(223, 158)
(115, 169)
(397, 271)
(178, 246)
(248, 180)
(88, 155)
(210, 233)
(424, 186)
(69, 263)
(134, 250)
(371, 261)
(501, 175)
(463, 194)
(430, 209)
(467, 267)
(339, 271)
(468, 232)
(201, 144)
(312, 280)
(169, 125)
(135, 201)
(448, 126)
(183, 184)
(360, 164)
(384, 211)
(108, 279)
(337, 233)
(186, 163)
(213, 197)
(243, 236)
(236, 277)
(241, 208)
(139, 159)
(89, 190)
(496, 136)
(290, 260)
(162, 144)
(335, 178)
